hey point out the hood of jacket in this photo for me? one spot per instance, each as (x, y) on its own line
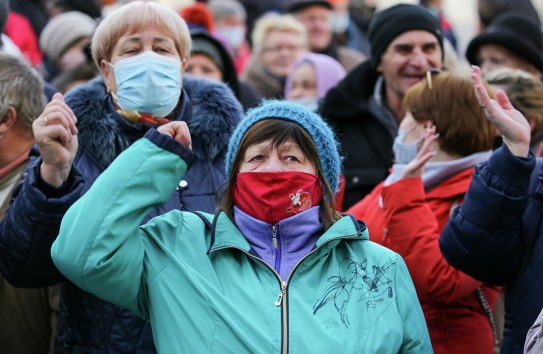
(213, 115)
(351, 95)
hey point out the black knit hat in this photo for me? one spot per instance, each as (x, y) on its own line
(515, 32)
(298, 5)
(393, 21)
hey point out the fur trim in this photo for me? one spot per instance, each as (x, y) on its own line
(215, 113)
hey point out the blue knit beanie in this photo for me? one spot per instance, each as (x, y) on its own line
(312, 123)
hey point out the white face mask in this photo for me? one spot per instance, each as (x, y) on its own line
(340, 22)
(234, 35)
(311, 103)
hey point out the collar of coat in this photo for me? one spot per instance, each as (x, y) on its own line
(351, 94)
(225, 234)
(212, 118)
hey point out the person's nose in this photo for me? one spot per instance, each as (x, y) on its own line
(419, 59)
(273, 164)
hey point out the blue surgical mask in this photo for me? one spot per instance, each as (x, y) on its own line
(404, 152)
(148, 83)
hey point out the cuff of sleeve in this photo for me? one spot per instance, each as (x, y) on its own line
(511, 171)
(168, 143)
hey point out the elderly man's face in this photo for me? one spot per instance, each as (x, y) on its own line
(317, 20)
(406, 60)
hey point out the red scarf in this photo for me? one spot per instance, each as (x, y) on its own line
(274, 196)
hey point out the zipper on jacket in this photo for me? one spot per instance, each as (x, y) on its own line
(282, 298)
(274, 236)
(279, 299)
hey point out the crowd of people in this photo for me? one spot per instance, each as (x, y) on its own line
(269, 176)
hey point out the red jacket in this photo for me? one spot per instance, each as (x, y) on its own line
(406, 219)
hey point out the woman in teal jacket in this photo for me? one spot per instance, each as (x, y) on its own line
(275, 270)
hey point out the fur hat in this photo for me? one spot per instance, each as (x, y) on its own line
(515, 32)
(312, 123)
(64, 30)
(388, 24)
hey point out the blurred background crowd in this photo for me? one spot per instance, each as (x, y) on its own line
(328, 56)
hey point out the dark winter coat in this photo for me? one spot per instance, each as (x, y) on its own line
(496, 236)
(365, 130)
(88, 324)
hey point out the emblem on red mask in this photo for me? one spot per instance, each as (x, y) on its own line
(301, 201)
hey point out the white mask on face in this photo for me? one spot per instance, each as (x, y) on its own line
(234, 35)
(311, 103)
(340, 22)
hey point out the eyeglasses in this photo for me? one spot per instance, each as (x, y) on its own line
(429, 73)
(279, 48)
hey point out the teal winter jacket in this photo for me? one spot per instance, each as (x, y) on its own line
(196, 279)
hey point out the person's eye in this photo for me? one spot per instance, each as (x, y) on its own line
(429, 48)
(404, 49)
(292, 158)
(162, 50)
(256, 158)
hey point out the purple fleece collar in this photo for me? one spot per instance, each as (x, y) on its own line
(296, 237)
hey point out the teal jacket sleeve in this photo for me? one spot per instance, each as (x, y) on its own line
(416, 336)
(100, 246)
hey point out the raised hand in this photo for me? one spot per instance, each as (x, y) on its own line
(416, 166)
(178, 131)
(56, 136)
(513, 126)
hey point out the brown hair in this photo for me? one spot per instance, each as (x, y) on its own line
(279, 131)
(448, 99)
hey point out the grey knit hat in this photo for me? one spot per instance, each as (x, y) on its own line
(63, 30)
(312, 123)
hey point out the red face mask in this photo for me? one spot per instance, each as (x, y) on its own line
(274, 196)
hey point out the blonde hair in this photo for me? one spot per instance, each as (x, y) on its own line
(275, 22)
(525, 91)
(134, 16)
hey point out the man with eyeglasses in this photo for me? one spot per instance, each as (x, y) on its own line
(365, 108)
(316, 16)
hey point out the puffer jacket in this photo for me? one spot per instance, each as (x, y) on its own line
(88, 324)
(196, 278)
(495, 235)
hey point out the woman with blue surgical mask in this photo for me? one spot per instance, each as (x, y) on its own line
(442, 137)
(143, 74)
(141, 49)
